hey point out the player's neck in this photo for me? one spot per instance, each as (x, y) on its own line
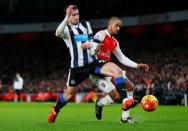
(74, 25)
(109, 32)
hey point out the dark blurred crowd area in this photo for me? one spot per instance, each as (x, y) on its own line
(32, 11)
(43, 62)
(168, 75)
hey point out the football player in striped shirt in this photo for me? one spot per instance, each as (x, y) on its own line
(83, 63)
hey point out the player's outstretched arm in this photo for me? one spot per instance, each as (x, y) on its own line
(61, 27)
(123, 59)
(126, 61)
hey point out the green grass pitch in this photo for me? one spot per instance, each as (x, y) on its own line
(81, 117)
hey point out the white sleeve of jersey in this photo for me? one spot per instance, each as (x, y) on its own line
(66, 37)
(93, 46)
(122, 58)
(99, 36)
(60, 31)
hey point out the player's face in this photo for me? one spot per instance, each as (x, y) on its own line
(17, 75)
(115, 27)
(74, 17)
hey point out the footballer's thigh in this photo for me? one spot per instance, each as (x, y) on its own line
(75, 77)
(111, 69)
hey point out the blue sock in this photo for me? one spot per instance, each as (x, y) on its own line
(119, 80)
(62, 99)
(120, 84)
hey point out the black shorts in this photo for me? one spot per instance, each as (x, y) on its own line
(78, 75)
(18, 91)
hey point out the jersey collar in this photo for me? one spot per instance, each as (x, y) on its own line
(75, 26)
(109, 34)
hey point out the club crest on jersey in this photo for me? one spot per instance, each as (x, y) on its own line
(73, 81)
(103, 85)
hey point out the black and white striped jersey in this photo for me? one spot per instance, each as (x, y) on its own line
(74, 36)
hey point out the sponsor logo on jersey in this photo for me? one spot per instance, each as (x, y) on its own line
(104, 54)
(81, 38)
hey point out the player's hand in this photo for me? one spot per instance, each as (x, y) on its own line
(69, 10)
(85, 45)
(99, 47)
(144, 67)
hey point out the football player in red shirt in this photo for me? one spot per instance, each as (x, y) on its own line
(107, 44)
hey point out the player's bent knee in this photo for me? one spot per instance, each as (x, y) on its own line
(118, 72)
(117, 75)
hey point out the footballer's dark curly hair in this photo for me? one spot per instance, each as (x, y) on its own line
(74, 7)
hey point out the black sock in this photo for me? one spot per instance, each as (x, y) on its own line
(122, 93)
(60, 103)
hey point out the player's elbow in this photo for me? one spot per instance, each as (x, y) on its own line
(121, 61)
(57, 33)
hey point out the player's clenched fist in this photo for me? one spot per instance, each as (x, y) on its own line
(69, 10)
(85, 45)
(143, 66)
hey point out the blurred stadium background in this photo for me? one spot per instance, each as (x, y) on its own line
(154, 32)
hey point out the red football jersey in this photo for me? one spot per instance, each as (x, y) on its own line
(109, 44)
